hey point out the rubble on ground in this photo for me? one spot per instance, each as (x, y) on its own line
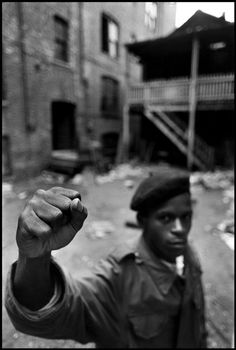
(121, 172)
(77, 179)
(99, 229)
(217, 180)
(53, 177)
(224, 181)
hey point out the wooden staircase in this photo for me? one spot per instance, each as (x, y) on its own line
(177, 132)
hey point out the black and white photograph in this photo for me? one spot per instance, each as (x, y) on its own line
(118, 175)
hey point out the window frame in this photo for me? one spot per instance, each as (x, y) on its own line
(107, 43)
(60, 42)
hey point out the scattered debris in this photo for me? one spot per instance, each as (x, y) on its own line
(22, 195)
(120, 172)
(52, 177)
(129, 183)
(77, 179)
(7, 187)
(226, 226)
(213, 180)
(99, 229)
(8, 191)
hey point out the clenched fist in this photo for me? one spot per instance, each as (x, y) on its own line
(49, 221)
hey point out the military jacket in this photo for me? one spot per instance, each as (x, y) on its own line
(132, 299)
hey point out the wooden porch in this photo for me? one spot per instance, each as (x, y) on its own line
(212, 91)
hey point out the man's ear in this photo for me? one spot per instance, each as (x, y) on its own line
(140, 219)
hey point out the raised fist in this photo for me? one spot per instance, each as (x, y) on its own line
(50, 221)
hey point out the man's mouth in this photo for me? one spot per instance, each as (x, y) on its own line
(178, 243)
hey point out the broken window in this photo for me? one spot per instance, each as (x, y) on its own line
(110, 97)
(150, 18)
(61, 38)
(110, 36)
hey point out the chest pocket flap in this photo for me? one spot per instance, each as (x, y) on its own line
(148, 326)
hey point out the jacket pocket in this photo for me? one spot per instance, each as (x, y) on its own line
(148, 326)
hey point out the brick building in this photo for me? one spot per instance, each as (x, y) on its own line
(65, 72)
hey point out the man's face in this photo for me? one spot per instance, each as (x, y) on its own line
(166, 228)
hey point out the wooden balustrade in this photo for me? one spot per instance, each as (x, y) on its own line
(209, 88)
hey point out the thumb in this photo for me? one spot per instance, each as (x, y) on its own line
(78, 214)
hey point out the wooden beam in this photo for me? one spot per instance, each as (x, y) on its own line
(192, 100)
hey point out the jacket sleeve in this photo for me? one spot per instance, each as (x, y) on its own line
(88, 310)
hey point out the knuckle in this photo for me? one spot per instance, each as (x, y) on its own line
(57, 214)
(45, 231)
(39, 192)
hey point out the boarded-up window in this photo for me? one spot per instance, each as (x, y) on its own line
(150, 18)
(61, 38)
(110, 97)
(110, 36)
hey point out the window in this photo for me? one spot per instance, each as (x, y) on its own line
(110, 96)
(150, 19)
(61, 38)
(110, 36)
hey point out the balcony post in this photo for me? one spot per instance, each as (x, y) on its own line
(192, 100)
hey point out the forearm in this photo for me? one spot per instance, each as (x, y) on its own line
(33, 283)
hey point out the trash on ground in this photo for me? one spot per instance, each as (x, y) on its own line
(22, 195)
(129, 183)
(77, 179)
(99, 229)
(226, 226)
(213, 180)
(120, 172)
(7, 189)
(52, 177)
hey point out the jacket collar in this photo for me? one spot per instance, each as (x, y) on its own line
(163, 273)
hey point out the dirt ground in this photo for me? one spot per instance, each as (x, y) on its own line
(110, 202)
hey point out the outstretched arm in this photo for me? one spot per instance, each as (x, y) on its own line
(49, 221)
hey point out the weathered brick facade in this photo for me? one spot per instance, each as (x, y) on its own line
(34, 79)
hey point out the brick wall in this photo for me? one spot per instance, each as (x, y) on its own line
(50, 80)
(47, 79)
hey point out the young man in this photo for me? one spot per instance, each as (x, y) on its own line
(147, 293)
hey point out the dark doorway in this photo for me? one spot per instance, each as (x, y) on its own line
(63, 126)
(109, 144)
(6, 160)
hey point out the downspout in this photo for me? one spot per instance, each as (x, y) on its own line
(193, 100)
(28, 126)
(124, 139)
(81, 69)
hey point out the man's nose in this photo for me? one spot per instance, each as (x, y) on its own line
(177, 226)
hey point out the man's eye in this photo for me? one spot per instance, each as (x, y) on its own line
(165, 219)
(187, 217)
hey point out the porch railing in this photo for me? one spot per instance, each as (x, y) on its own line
(209, 88)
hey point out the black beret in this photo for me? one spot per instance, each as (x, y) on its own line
(165, 183)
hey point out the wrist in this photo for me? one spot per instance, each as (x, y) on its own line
(23, 257)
